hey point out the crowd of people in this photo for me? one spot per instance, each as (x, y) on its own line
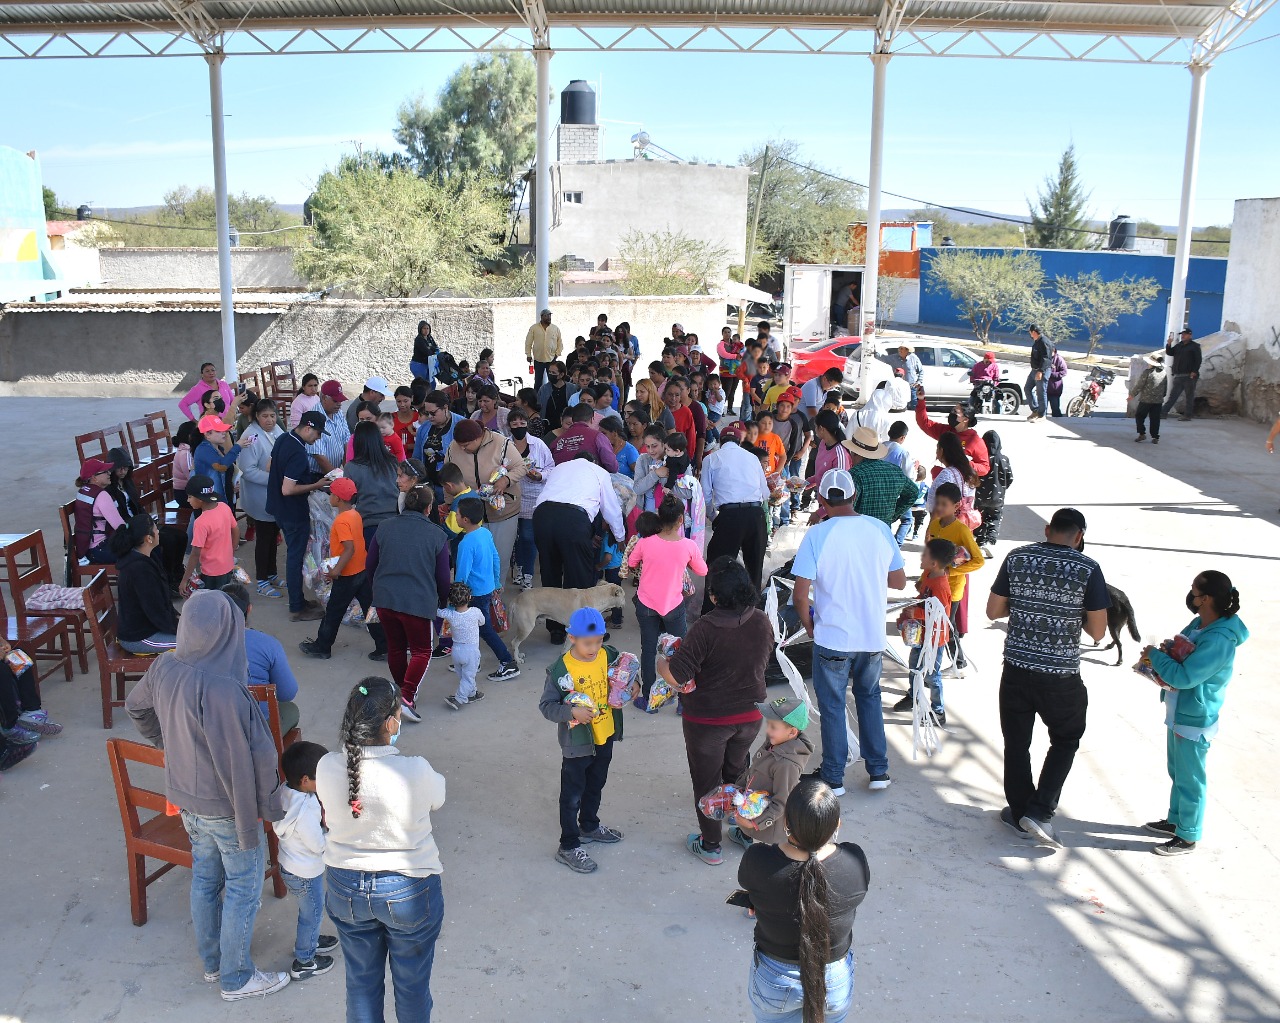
(420, 524)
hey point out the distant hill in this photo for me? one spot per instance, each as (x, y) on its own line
(968, 216)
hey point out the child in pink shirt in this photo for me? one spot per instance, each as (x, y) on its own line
(660, 598)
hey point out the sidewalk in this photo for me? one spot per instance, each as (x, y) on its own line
(963, 921)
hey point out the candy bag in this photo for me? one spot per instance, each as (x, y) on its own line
(623, 673)
(750, 803)
(577, 699)
(667, 647)
(660, 694)
(718, 803)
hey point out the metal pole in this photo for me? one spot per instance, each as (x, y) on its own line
(542, 182)
(870, 276)
(223, 221)
(1190, 168)
(751, 242)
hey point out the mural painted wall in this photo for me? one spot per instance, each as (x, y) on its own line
(26, 270)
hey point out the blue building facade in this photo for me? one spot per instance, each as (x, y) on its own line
(1206, 278)
(26, 271)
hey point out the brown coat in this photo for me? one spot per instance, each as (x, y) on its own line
(477, 469)
(776, 770)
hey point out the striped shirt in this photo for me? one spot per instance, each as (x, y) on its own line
(332, 444)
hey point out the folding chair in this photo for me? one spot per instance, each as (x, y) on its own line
(267, 694)
(34, 573)
(116, 666)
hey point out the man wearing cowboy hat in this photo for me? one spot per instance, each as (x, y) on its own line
(1150, 389)
(1186, 372)
(884, 492)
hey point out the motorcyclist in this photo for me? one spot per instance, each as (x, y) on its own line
(984, 376)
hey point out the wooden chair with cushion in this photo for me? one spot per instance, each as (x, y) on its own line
(267, 694)
(149, 437)
(27, 568)
(45, 639)
(116, 666)
(160, 837)
(76, 572)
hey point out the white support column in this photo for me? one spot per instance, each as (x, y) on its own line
(542, 181)
(222, 220)
(880, 65)
(1190, 169)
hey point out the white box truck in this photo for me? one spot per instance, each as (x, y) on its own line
(809, 297)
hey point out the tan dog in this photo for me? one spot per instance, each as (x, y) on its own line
(558, 605)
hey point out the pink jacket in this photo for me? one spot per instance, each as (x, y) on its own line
(985, 373)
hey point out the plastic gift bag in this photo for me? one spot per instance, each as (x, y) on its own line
(660, 694)
(577, 699)
(667, 647)
(722, 802)
(623, 673)
(498, 613)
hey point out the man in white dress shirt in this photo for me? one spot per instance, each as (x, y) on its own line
(735, 488)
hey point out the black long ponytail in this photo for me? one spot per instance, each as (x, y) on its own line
(371, 703)
(812, 817)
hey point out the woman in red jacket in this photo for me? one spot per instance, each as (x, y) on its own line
(960, 420)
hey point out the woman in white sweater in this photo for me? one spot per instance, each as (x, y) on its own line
(382, 867)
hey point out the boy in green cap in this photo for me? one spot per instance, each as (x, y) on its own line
(776, 769)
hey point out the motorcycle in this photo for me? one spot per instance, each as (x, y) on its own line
(1091, 390)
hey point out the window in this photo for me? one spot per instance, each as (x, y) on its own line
(925, 355)
(846, 351)
(573, 197)
(958, 358)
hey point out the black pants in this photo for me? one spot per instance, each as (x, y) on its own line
(266, 538)
(18, 694)
(718, 755)
(582, 782)
(1061, 702)
(992, 517)
(1055, 404)
(738, 529)
(730, 385)
(566, 550)
(347, 588)
(216, 582)
(1152, 409)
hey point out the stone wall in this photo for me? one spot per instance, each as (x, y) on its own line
(197, 268)
(1251, 303)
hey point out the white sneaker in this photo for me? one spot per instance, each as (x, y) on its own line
(260, 985)
(408, 711)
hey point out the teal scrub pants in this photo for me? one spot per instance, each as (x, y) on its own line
(1187, 794)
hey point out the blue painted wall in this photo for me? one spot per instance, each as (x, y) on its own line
(1206, 277)
(23, 267)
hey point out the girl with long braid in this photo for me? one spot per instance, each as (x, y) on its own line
(805, 893)
(382, 867)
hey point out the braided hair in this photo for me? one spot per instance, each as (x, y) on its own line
(371, 703)
(812, 816)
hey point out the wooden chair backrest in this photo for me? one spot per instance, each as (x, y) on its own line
(253, 381)
(267, 694)
(149, 437)
(100, 606)
(279, 380)
(26, 576)
(132, 796)
(91, 445)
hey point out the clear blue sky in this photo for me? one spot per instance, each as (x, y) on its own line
(965, 132)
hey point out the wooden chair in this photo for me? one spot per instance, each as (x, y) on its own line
(267, 694)
(279, 380)
(253, 382)
(91, 445)
(46, 639)
(76, 573)
(149, 437)
(35, 572)
(116, 666)
(160, 837)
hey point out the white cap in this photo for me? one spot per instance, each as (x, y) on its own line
(378, 384)
(837, 485)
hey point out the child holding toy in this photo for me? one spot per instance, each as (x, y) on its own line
(935, 569)
(776, 769)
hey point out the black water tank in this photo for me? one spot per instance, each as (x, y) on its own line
(1123, 234)
(578, 103)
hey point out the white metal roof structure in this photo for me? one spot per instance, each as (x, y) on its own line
(1192, 33)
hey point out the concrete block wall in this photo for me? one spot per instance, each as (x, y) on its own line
(1251, 303)
(197, 268)
(578, 143)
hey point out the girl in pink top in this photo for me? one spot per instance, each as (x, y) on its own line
(660, 598)
(306, 400)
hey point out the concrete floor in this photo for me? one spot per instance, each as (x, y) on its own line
(963, 921)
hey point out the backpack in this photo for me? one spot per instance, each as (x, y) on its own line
(446, 369)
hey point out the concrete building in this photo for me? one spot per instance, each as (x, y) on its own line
(1251, 302)
(26, 271)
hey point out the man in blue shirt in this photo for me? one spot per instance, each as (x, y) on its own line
(289, 481)
(268, 664)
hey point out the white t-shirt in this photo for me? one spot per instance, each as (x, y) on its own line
(848, 559)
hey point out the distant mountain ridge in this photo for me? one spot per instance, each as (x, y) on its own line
(969, 216)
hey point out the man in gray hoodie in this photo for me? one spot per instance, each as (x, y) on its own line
(221, 771)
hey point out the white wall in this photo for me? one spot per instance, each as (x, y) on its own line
(1251, 302)
(79, 267)
(197, 268)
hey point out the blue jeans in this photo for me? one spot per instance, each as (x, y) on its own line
(777, 996)
(226, 888)
(653, 625)
(310, 894)
(792, 503)
(1038, 393)
(526, 546)
(904, 529)
(932, 679)
(832, 670)
(420, 369)
(484, 601)
(296, 537)
(383, 915)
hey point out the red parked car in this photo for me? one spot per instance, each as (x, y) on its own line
(839, 353)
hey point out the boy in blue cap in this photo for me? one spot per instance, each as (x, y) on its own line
(586, 735)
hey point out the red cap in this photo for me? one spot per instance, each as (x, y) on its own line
(90, 467)
(791, 394)
(343, 488)
(332, 390)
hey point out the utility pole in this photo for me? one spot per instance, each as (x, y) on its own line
(751, 242)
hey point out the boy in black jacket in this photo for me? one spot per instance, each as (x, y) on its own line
(990, 497)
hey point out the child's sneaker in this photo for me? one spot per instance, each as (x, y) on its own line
(318, 966)
(603, 835)
(19, 736)
(12, 756)
(711, 857)
(38, 721)
(737, 835)
(505, 673)
(409, 711)
(576, 860)
(266, 589)
(453, 703)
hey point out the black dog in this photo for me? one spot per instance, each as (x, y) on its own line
(1120, 614)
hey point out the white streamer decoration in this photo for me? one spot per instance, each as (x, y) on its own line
(925, 729)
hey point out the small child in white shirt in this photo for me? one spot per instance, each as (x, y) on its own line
(301, 835)
(464, 624)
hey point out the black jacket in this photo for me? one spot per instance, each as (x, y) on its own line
(1186, 357)
(991, 491)
(1041, 356)
(146, 606)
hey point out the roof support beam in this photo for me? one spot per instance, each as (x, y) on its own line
(222, 219)
(1176, 317)
(542, 181)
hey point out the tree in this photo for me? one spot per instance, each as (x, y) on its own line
(484, 122)
(51, 211)
(888, 293)
(1097, 304)
(670, 263)
(396, 235)
(804, 213)
(1059, 217)
(987, 288)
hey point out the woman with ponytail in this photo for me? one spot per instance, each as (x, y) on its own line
(382, 867)
(805, 893)
(1194, 684)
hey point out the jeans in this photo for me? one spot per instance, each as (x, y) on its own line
(346, 588)
(1038, 393)
(526, 546)
(310, 895)
(383, 915)
(1061, 702)
(539, 373)
(1183, 384)
(1151, 410)
(296, 537)
(156, 643)
(904, 528)
(791, 503)
(932, 679)
(408, 649)
(718, 755)
(832, 671)
(777, 995)
(484, 601)
(420, 369)
(226, 889)
(1186, 760)
(582, 781)
(653, 625)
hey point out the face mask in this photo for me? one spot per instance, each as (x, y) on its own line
(1191, 603)
(953, 420)
(518, 432)
(395, 738)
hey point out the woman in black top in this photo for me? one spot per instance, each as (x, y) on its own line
(425, 350)
(805, 893)
(148, 624)
(124, 492)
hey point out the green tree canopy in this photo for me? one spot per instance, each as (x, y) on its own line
(50, 204)
(483, 123)
(670, 263)
(392, 234)
(1005, 286)
(1059, 216)
(1097, 304)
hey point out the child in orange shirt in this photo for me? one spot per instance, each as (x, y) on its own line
(349, 578)
(935, 563)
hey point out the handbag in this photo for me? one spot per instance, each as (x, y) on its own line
(498, 614)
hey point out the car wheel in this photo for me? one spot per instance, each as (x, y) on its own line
(1007, 401)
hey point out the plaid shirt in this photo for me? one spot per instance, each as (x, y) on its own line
(884, 492)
